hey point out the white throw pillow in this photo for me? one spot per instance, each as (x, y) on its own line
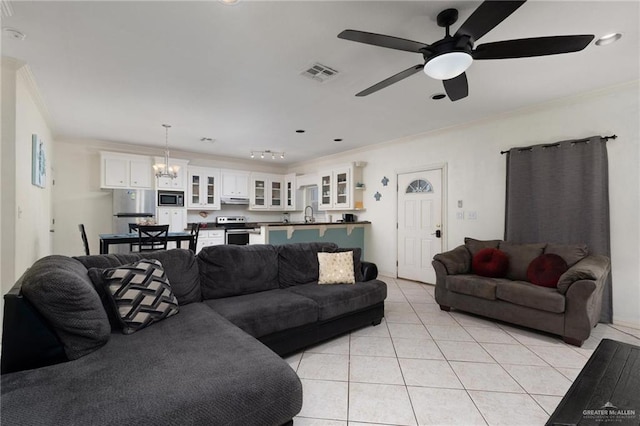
(336, 268)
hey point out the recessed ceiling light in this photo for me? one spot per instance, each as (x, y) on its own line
(337, 140)
(14, 34)
(438, 96)
(608, 39)
(229, 2)
(300, 131)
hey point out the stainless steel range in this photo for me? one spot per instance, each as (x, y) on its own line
(236, 229)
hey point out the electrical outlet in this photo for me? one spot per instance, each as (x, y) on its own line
(460, 215)
(472, 215)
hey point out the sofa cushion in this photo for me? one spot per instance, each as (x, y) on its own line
(520, 256)
(472, 285)
(232, 270)
(194, 368)
(533, 296)
(61, 291)
(140, 294)
(180, 265)
(357, 261)
(571, 253)
(546, 269)
(475, 246)
(298, 263)
(580, 271)
(339, 299)
(456, 261)
(266, 312)
(490, 262)
(336, 268)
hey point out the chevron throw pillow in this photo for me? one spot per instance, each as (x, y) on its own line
(140, 293)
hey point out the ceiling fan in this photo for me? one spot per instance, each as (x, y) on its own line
(449, 58)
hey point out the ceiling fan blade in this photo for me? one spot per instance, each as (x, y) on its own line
(393, 79)
(382, 40)
(457, 87)
(486, 17)
(527, 47)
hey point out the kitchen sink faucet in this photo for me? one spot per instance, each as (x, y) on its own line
(309, 219)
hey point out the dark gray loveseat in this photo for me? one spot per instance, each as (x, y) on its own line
(570, 310)
(209, 364)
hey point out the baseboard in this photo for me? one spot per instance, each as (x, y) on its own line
(626, 324)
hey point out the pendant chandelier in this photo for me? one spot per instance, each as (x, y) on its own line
(165, 170)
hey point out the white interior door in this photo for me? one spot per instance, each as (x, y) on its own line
(419, 224)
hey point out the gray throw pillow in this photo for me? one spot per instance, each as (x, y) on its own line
(571, 253)
(59, 288)
(140, 293)
(474, 246)
(520, 256)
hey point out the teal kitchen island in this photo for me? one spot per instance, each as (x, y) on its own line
(344, 234)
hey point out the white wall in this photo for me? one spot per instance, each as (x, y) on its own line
(25, 211)
(476, 175)
(79, 199)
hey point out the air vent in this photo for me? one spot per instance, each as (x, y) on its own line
(320, 72)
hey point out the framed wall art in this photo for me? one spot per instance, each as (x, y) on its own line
(38, 162)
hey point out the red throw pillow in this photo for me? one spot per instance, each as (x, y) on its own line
(490, 262)
(545, 270)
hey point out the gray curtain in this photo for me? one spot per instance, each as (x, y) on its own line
(560, 193)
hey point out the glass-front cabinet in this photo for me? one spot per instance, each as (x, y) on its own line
(290, 192)
(267, 192)
(335, 189)
(203, 191)
(258, 192)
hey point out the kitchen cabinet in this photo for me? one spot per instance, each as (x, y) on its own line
(178, 183)
(125, 171)
(266, 192)
(175, 217)
(290, 193)
(203, 189)
(341, 188)
(208, 238)
(235, 184)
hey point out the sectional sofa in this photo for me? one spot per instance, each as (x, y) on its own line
(213, 357)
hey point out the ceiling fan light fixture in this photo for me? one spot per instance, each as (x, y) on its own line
(448, 65)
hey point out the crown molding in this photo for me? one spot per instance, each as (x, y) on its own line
(34, 91)
(6, 10)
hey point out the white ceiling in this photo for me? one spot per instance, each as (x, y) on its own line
(117, 70)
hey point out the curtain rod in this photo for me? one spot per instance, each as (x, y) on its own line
(606, 138)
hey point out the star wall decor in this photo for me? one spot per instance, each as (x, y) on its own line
(385, 181)
(377, 196)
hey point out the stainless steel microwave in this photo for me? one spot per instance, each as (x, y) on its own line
(171, 198)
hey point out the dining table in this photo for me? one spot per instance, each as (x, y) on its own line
(107, 240)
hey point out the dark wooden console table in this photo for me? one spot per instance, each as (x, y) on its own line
(607, 390)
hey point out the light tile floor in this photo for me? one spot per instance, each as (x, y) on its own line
(423, 366)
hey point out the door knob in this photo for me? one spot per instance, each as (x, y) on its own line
(438, 233)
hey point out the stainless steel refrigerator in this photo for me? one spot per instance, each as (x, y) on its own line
(131, 206)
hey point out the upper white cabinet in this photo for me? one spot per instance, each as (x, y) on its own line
(290, 192)
(125, 171)
(235, 183)
(203, 188)
(267, 192)
(341, 188)
(179, 183)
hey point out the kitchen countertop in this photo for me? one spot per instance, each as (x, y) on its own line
(362, 222)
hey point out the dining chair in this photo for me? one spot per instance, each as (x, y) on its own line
(133, 228)
(152, 237)
(83, 234)
(195, 231)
